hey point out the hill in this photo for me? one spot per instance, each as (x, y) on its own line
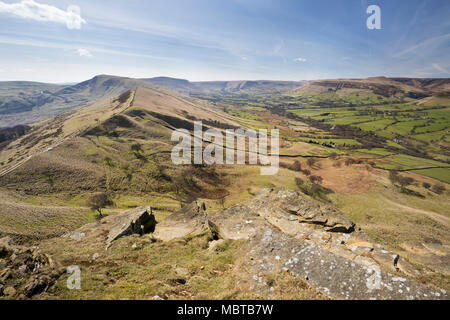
(119, 144)
(227, 87)
(20, 96)
(121, 147)
(31, 102)
(381, 86)
(26, 103)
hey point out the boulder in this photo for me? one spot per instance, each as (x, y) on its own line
(236, 223)
(189, 221)
(135, 221)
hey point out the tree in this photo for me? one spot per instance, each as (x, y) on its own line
(316, 179)
(311, 162)
(333, 156)
(426, 185)
(299, 182)
(393, 176)
(315, 189)
(438, 188)
(306, 172)
(350, 161)
(98, 201)
(296, 166)
(405, 181)
(222, 202)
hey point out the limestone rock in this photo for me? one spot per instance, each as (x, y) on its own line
(136, 221)
(9, 291)
(189, 221)
(333, 275)
(284, 231)
(77, 236)
(235, 223)
(26, 271)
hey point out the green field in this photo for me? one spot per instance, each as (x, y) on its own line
(405, 162)
(441, 174)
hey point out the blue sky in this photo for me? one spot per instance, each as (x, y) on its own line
(45, 40)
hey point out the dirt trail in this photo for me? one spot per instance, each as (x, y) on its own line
(55, 144)
(432, 215)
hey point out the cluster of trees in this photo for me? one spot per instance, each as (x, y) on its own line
(403, 182)
(297, 166)
(395, 178)
(313, 185)
(313, 188)
(124, 96)
(437, 188)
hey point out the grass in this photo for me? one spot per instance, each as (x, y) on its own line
(441, 174)
(185, 269)
(405, 127)
(405, 162)
(376, 151)
(432, 136)
(386, 223)
(375, 125)
(182, 269)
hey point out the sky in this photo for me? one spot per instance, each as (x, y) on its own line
(61, 41)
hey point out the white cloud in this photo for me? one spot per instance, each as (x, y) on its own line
(84, 53)
(440, 68)
(300, 60)
(30, 9)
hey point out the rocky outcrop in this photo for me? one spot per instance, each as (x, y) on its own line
(336, 276)
(135, 221)
(318, 244)
(189, 221)
(283, 230)
(307, 212)
(25, 272)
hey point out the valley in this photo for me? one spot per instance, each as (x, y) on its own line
(376, 150)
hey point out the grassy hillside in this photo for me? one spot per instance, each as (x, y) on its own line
(377, 162)
(119, 147)
(26, 103)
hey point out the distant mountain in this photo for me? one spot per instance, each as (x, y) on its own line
(24, 103)
(180, 85)
(387, 87)
(20, 96)
(29, 102)
(227, 87)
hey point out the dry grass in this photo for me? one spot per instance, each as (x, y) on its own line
(26, 222)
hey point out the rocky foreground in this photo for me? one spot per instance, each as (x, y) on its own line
(281, 231)
(25, 272)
